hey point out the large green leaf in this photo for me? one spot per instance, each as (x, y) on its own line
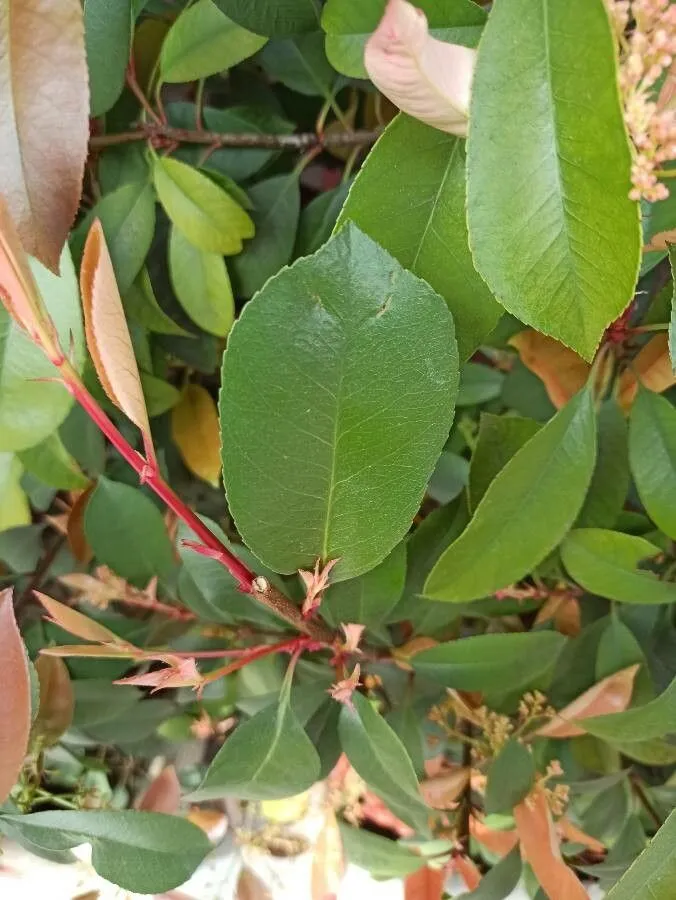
(380, 758)
(107, 38)
(552, 229)
(205, 213)
(652, 454)
(489, 662)
(526, 510)
(52, 464)
(318, 219)
(653, 875)
(607, 563)
(382, 857)
(369, 598)
(280, 17)
(300, 64)
(31, 405)
(345, 410)
(276, 208)
(610, 482)
(126, 531)
(642, 723)
(510, 778)
(501, 880)
(348, 25)
(266, 758)
(141, 306)
(14, 508)
(410, 197)
(201, 284)
(204, 41)
(139, 851)
(500, 437)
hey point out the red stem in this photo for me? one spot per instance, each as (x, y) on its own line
(294, 645)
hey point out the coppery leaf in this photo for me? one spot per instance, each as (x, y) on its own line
(498, 842)
(250, 887)
(571, 832)
(75, 532)
(425, 884)
(163, 794)
(559, 368)
(651, 366)
(75, 623)
(15, 702)
(328, 861)
(57, 700)
(441, 791)
(468, 871)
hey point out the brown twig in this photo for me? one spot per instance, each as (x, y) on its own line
(41, 571)
(153, 131)
(637, 787)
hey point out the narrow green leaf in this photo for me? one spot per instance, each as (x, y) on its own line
(300, 64)
(201, 283)
(607, 563)
(653, 875)
(107, 39)
(563, 199)
(14, 508)
(380, 758)
(610, 482)
(98, 701)
(525, 511)
(140, 305)
(381, 857)
(488, 662)
(203, 41)
(51, 463)
(510, 778)
(672, 319)
(280, 17)
(619, 649)
(276, 208)
(652, 453)
(139, 851)
(342, 395)
(122, 164)
(410, 197)
(500, 437)
(159, 395)
(406, 722)
(642, 723)
(126, 531)
(449, 478)
(207, 215)
(318, 219)
(368, 599)
(501, 880)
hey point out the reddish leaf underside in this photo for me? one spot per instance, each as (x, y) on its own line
(15, 702)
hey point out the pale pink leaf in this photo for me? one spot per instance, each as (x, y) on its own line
(163, 794)
(610, 695)
(15, 698)
(328, 861)
(441, 791)
(424, 77)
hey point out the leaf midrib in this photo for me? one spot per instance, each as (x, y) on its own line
(437, 198)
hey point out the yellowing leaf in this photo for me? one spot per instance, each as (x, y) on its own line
(610, 695)
(92, 651)
(15, 703)
(426, 78)
(44, 127)
(163, 794)
(540, 847)
(290, 809)
(14, 508)
(57, 701)
(75, 623)
(651, 366)
(107, 334)
(328, 861)
(196, 432)
(560, 369)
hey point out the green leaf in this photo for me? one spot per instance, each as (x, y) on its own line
(300, 64)
(98, 701)
(510, 778)
(266, 758)
(449, 477)
(140, 305)
(607, 563)
(126, 531)
(619, 649)
(318, 219)
(107, 40)
(353, 417)
(672, 318)
(653, 875)
(14, 508)
(526, 510)
(479, 384)
(406, 722)
(32, 408)
(280, 17)
(541, 233)
(500, 437)
(653, 752)
(489, 662)
(201, 283)
(51, 463)
(501, 880)
(160, 396)
(203, 41)
(610, 482)
(410, 197)
(128, 220)
(139, 851)
(322, 729)
(276, 208)
(122, 164)
(642, 723)
(369, 598)
(381, 760)
(652, 454)
(382, 857)
(207, 215)
(348, 25)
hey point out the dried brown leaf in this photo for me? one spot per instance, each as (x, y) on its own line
(15, 698)
(57, 700)
(559, 368)
(651, 366)
(77, 540)
(328, 861)
(44, 129)
(197, 433)
(163, 795)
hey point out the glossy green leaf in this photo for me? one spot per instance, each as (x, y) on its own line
(618, 649)
(500, 437)
(499, 882)
(348, 25)
(652, 453)
(122, 164)
(608, 563)
(318, 219)
(31, 408)
(641, 723)
(203, 41)
(510, 778)
(266, 758)
(653, 875)
(300, 64)
(382, 857)
(107, 38)
(126, 531)
(280, 17)
(537, 494)
(141, 306)
(139, 851)
(380, 758)
(51, 463)
(160, 396)
(322, 729)
(610, 482)
(342, 430)
(449, 478)
(410, 197)
(368, 599)
(563, 197)
(202, 285)
(14, 508)
(276, 208)
(205, 213)
(489, 662)
(479, 384)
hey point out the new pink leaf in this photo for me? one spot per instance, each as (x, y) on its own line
(15, 698)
